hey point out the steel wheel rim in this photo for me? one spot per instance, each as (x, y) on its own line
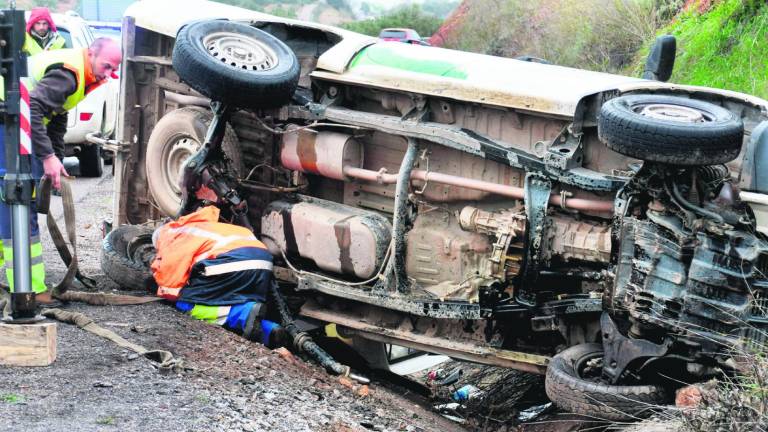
(674, 113)
(240, 52)
(181, 149)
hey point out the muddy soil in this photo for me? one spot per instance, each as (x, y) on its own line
(226, 383)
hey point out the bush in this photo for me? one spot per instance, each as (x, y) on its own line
(591, 34)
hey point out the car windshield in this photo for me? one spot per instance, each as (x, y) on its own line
(67, 37)
(111, 33)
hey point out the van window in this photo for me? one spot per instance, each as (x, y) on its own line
(89, 36)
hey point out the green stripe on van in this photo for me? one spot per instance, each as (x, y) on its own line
(383, 55)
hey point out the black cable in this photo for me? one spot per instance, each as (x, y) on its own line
(679, 199)
(302, 341)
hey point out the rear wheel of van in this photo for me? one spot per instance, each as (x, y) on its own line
(176, 137)
(236, 64)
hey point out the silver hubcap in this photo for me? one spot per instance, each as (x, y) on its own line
(240, 51)
(673, 113)
(180, 151)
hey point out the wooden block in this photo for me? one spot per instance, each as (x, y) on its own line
(27, 344)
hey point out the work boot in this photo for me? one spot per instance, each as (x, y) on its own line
(279, 337)
(268, 333)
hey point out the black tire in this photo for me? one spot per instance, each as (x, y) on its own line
(566, 387)
(660, 129)
(91, 163)
(175, 137)
(126, 256)
(265, 76)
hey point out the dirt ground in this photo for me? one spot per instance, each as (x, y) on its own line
(226, 383)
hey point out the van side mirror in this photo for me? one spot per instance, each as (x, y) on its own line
(661, 59)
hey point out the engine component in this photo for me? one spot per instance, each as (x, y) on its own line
(570, 239)
(686, 275)
(712, 297)
(507, 227)
(322, 153)
(485, 222)
(337, 238)
(443, 259)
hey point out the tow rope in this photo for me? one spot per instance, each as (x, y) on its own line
(69, 258)
(163, 360)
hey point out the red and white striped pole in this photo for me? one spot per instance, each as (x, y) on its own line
(25, 121)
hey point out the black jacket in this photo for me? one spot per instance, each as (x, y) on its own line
(47, 100)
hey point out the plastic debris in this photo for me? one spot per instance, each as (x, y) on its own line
(466, 393)
(534, 412)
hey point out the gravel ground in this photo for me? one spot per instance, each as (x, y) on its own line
(226, 384)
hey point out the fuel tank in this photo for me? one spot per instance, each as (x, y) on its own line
(337, 238)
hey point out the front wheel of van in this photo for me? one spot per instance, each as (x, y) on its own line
(670, 129)
(236, 64)
(176, 137)
(574, 384)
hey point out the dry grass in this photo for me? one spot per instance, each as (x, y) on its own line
(591, 34)
(738, 404)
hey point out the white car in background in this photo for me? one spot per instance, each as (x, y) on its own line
(97, 113)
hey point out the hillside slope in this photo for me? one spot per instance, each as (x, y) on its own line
(721, 43)
(724, 46)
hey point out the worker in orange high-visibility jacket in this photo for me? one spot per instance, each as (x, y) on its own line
(216, 272)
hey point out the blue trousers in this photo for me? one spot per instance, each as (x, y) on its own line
(233, 317)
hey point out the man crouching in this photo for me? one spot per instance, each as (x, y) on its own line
(216, 272)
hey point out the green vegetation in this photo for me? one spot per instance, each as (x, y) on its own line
(11, 398)
(408, 16)
(283, 11)
(726, 47)
(107, 420)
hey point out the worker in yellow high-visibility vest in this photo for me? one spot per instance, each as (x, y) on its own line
(41, 33)
(58, 80)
